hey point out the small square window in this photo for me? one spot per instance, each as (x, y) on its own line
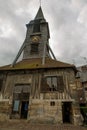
(52, 103)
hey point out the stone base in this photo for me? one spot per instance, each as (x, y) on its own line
(78, 120)
(42, 120)
(4, 117)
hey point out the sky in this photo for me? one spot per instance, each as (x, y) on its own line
(67, 23)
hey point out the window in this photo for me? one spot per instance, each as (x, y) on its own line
(36, 26)
(34, 48)
(16, 105)
(21, 91)
(52, 83)
(52, 103)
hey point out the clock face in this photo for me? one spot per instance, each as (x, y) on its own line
(35, 39)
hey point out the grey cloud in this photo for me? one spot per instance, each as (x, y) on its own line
(70, 35)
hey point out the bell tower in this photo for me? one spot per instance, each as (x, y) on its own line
(37, 37)
(36, 43)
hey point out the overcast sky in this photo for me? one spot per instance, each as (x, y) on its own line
(67, 21)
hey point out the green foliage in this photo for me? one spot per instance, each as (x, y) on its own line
(84, 109)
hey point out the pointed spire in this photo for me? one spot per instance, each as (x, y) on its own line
(39, 14)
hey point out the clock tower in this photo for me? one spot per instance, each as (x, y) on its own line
(37, 38)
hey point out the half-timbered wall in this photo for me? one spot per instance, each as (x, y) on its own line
(43, 105)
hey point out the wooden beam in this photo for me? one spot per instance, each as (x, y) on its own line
(18, 55)
(44, 54)
(51, 52)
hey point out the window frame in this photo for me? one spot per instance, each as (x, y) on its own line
(52, 103)
(16, 106)
(58, 87)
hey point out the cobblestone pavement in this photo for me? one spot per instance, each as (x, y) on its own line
(22, 125)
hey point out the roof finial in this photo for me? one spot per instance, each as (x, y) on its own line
(40, 2)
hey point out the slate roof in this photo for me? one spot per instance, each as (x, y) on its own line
(39, 14)
(37, 64)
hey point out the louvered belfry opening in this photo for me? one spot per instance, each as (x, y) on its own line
(34, 48)
(36, 27)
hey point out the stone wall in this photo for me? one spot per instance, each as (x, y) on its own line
(4, 110)
(40, 111)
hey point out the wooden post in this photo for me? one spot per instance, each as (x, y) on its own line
(43, 59)
(18, 55)
(51, 52)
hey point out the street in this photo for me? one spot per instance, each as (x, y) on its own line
(23, 125)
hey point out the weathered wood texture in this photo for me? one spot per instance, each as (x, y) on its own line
(40, 107)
